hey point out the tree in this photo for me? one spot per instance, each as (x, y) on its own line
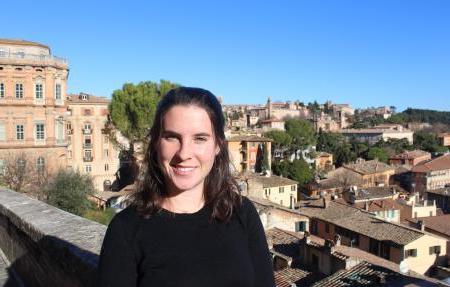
(428, 142)
(329, 142)
(69, 191)
(300, 171)
(377, 153)
(302, 133)
(343, 155)
(133, 107)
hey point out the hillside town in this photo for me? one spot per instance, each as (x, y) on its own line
(347, 197)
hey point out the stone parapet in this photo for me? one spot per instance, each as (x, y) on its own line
(47, 246)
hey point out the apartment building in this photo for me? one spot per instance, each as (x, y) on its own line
(90, 150)
(32, 105)
(246, 151)
(377, 133)
(433, 174)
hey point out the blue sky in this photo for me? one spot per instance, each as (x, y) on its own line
(366, 53)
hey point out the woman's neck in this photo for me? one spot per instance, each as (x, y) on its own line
(189, 201)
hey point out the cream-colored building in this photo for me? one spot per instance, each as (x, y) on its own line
(377, 133)
(90, 150)
(32, 105)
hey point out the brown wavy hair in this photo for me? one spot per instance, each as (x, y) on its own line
(221, 191)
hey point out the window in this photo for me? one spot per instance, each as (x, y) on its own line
(435, 250)
(2, 167)
(19, 132)
(40, 132)
(19, 90)
(88, 153)
(2, 90)
(410, 253)
(106, 152)
(2, 132)
(58, 92)
(300, 226)
(314, 227)
(20, 164)
(40, 164)
(267, 191)
(327, 228)
(69, 154)
(88, 168)
(293, 188)
(106, 167)
(38, 91)
(281, 189)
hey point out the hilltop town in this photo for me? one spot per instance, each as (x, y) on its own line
(346, 196)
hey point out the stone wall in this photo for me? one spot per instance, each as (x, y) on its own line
(47, 246)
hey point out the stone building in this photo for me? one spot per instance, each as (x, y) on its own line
(32, 105)
(90, 150)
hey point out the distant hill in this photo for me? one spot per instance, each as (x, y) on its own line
(429, 116)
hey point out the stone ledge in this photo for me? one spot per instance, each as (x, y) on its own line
(45, 244)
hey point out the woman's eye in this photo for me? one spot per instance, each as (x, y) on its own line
(201, 139)
(170, 138)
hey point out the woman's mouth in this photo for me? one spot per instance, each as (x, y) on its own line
(183, 170)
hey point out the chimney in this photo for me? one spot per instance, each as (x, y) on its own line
(329, 246)
(421, 225)
(337, 240)
(366, 206)
(306, 237)
(326, 202)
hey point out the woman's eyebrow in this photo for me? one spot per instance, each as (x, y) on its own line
(169, 132)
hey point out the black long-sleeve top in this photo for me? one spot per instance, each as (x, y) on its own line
(186, 250)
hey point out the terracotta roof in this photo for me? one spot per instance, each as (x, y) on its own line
(377, 192)
(327, 183)
(379, 205)
(411, 154)
(76, 98)
(369, 167)
(22, 43)
(440, 224)
(272, 181)
(251, 138)
(440, 163)
(360, 222)
(367, 274)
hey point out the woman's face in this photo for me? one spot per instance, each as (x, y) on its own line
(187, 148)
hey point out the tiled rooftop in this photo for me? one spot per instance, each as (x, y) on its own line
(377, 192)
(369, 167)
(440, 163)
(440, 223)
(367, 274)
(361, 222)
(75, 98)
(410, 154)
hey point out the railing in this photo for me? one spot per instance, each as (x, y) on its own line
(88, 158)
(87, 131)
(32, 57)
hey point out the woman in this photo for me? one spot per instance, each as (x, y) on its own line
(187, 225)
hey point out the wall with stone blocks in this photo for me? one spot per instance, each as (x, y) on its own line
(47, 246)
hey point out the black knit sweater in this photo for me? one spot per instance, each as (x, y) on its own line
(186, 250)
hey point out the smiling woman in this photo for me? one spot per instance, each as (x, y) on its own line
(187, 224)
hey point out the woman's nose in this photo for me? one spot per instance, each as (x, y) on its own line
(185, 150)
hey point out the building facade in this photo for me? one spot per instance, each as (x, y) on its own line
(90, 150)
(32, 105)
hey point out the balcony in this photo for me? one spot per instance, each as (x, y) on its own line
(87, 131)
(88, 158)
(87, 145)
(13, 58)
